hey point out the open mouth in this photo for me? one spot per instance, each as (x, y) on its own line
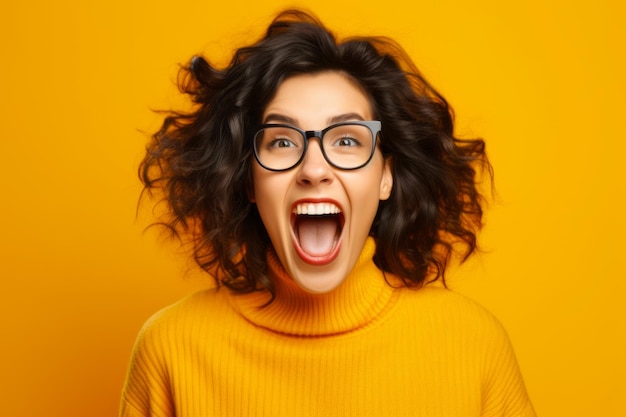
(316, 230)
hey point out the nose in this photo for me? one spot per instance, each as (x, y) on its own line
(314, 169)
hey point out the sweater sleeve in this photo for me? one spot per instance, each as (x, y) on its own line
(504, 392)
(147, 390)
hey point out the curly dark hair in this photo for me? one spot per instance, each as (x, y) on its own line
(199, 161)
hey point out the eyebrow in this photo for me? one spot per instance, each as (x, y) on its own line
(345, 118)
(281, 118)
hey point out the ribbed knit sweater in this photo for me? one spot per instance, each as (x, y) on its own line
(365, 349)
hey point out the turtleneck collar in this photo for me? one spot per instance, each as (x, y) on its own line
(362, 297)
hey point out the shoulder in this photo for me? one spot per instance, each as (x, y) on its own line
(192, 305)
(471, 336)
(198, 312)
(446, 316)
(157, 347)
(201, 306)
(171, 333)
(448, 305)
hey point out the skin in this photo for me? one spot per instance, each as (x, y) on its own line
(312, 102)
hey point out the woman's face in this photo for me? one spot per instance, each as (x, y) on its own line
(319, 250)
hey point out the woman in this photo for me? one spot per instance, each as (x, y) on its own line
(320, 182)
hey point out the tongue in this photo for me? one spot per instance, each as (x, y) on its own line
(317, 234)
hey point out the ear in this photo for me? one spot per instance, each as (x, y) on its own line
(386, 181)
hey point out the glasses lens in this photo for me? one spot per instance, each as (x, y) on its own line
(278, 147)
(348, 146)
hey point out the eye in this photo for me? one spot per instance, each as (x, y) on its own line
(282, 143)
(347, 141)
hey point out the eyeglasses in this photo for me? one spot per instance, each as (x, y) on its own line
(346, 145)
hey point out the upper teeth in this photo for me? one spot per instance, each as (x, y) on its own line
(316, 209)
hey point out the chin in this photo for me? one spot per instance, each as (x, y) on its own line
(316, 286)
(319, 279)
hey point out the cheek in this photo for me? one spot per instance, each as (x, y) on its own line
(268, 192)
(368, 206)
(365, 198)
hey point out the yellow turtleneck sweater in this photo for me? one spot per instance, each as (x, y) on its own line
(365, 349)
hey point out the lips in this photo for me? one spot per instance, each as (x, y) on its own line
(316, 228)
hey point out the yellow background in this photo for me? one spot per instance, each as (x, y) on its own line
(541, 80)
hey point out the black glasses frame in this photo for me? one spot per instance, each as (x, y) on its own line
(374, 127)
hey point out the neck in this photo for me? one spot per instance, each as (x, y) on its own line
(355, 303)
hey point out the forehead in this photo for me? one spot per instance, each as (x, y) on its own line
(318, 98)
